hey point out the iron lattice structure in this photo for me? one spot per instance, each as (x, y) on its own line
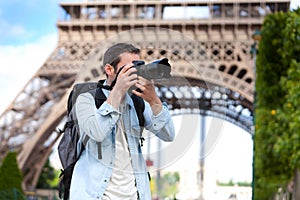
(212, 70)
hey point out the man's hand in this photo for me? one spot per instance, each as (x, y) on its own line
(126, 79)
(148, 94)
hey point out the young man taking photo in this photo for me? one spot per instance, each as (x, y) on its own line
(121, 173)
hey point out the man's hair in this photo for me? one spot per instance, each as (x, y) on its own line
(112, 54)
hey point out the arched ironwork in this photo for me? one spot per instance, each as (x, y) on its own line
(208, 99)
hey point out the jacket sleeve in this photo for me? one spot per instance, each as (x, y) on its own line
(161, 124)
(96, 123)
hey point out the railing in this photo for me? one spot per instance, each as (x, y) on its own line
(166, 10)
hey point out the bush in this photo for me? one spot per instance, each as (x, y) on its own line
(10, 178)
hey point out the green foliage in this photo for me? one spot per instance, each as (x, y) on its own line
(169, 184)
(269, 63)
(10, 178)
(277, 114)
(289, 145)
(13, 194)
(49, 177)
(54, 183)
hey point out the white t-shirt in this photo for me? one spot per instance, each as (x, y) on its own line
(122, 183)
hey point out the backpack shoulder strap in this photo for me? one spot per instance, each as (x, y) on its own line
(139, 106)
(99, 97)
(70, 102)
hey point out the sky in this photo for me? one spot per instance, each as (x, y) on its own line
(28, 35)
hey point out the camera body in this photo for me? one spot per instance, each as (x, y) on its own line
(159, 69)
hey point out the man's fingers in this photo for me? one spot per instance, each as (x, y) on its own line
(128, 69)
(136, 93)
(140, 86)
(142, 79)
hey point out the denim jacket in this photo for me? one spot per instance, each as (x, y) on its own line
(91, 175)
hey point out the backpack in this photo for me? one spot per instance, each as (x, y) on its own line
(67, 148)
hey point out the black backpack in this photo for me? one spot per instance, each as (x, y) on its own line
(67, 148)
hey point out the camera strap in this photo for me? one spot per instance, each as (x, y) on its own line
(109, 87)
(100, 85)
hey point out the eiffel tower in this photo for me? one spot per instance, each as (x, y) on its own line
(209, 49)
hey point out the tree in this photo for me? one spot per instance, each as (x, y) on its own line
(289, 145)
(10, 178)
(277, 115)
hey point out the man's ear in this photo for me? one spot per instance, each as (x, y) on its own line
(109, 70)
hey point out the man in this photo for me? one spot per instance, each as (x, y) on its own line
(121, 173)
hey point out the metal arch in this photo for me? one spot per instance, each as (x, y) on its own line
(230, 105)
(212, 114)
(235, 108)
(207, 99)
(189, 58)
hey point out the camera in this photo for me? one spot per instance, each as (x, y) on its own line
(159, 69)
